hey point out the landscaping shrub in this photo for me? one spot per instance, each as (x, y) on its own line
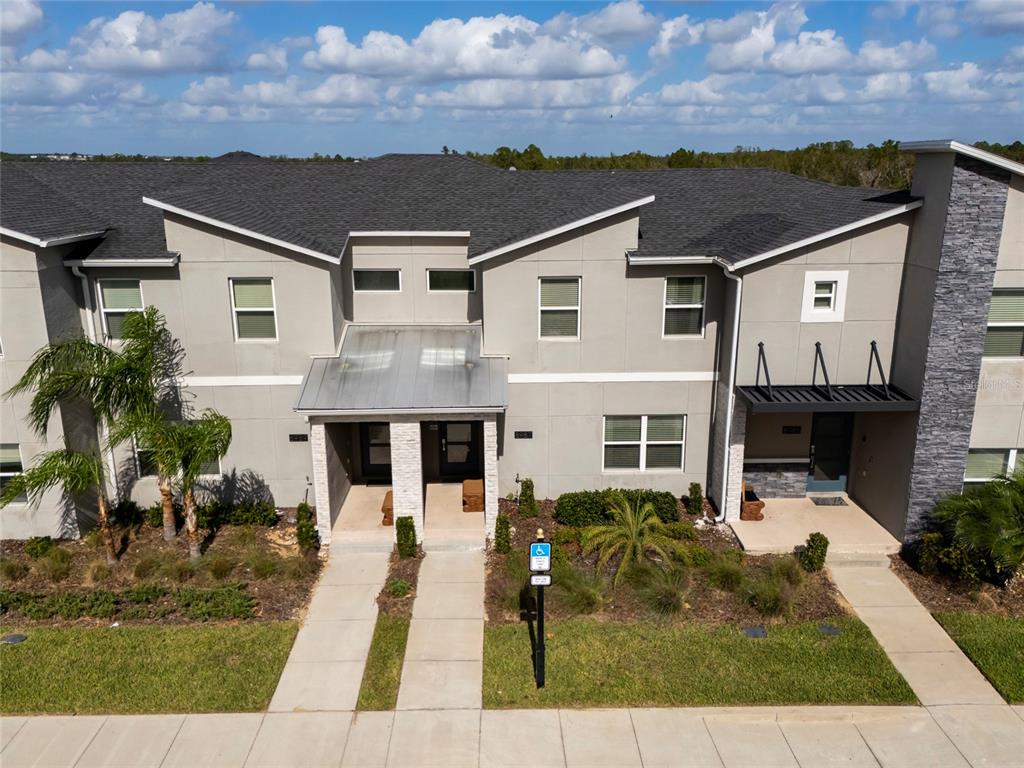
(56, 566)
(305, 528)
(725, 573)
(39, 546)
(147, 566)
(681, 530)
(635, 532)
(789, 570)
(565, 535)
(513, 579)
(263, 564)
(527, 501)
(582, 590)
(154, 515)
(695, 501)
(663, 590)
(12, 570)
(228, 601)
(812, 555)
(127, 513)
(502, 535)
(245, 537)
(585, 508)
(220, 566)
(176, 569)
(143, 594)
(298, 567)
(253, 513)
(97, 572)
(693, 555)
(398, 588)
(405, 533)
(768, 595)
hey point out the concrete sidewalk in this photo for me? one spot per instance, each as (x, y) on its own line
(754, 737)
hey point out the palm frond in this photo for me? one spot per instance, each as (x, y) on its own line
(75, 471)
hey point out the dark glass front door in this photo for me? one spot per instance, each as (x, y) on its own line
(460, 449)
(375, 443)
(830, 451)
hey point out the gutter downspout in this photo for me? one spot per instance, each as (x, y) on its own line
(731, 399)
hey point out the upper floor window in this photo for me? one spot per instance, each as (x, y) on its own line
(10, 466)
(644, 442)
(825, 294)
(388, 280)
(117, 299)
(560, 307)
(684, 306)
(1005, 336)
(451, 280)
(252, 302)
(824, 299)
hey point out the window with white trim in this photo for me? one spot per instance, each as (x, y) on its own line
(984, 464)
(684, 306)
(824, 299)
(11, 466)
(559, 305)
(644, 442)
(145, 465)
(463, 280)
(1005, 333)
(252, 303)
(377, 280)
(118, 298)
(825, 294)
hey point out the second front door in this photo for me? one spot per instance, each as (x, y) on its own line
(460, 449)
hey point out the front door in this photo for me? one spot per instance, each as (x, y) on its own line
(460, 449)
(375, 444)
(830, 451)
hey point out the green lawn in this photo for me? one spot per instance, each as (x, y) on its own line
(596, 664)
(383, 673)
(141, 669)
(996, 646)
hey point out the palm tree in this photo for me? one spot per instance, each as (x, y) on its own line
(197, 443)
(78, 472)
(635, 532)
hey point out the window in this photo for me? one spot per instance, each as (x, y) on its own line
(825, 294)
(389, 280)
(985, 463)
(117, 299)
(560, 307)
(11, 466)
(252, 300)
(684, 306)
(644, 442)
(1005, 336)
(145, 466)
(451, 280)
(824, 298)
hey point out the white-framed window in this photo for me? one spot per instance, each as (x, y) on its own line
(683, 313)
(1005, 333)
(559, 308)
(644, 443)
(824, 299)
(377, 280)
(117, 299)
(145, 466)
(459, 280)
(983, 464)
(252, 304)
(11, 466)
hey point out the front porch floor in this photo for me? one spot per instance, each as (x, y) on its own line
(446, 525)
(788, 522)
(358, 527)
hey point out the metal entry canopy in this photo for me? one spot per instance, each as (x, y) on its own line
(804, 398)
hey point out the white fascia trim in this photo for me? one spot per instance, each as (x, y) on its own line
(408, 233)
(859, 224)
(635, 260)
(240, 381)
(170, 261)
(962, 149)
(627, 377)
(559, 230)
(384, 412)
(53, 240)
(241, 231)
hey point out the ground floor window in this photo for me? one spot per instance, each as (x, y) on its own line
(983, 464)
(644, 442)
(146, 466)
(10, 466)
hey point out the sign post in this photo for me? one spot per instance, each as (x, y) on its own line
(540, 577)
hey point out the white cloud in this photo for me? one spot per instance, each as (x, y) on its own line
(886, 86)
(1014, 57)
(713, 89)
(963, 83)
(997, 17)
(820, 51)
(621, 22)
(274, 59)
(542, 94)
(335, 91)
(743, 41)
(875, 57)
(675, 33)
(890, 10)
(938, 19)
(18, 18)
(395, 114)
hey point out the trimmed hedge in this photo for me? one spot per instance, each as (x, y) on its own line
(405, 534)
(583, 508)
(305, 528)
(502, 535)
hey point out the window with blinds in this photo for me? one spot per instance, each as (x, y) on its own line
(644, 442)
(1005, 335)
(10, 466)
(118, 298)
(983, 464)
(684, 306)
(252, 300)
(377, 280)
(560, 307)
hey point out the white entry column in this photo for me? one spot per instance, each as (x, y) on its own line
(407, 472)
(490, 475)
(321, 488)
(737, 441)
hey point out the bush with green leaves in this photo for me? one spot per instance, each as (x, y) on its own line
(13, 570)
(812, 554)
(39, 546)
(695, 500)
(305, 528)
(584, 508)
(663, 590)
(725, 573)
(263, 564)
(154, 515)
(55, 566)
(405, 534)
(219, 566)
(789, 570)
(502, 534)
(693, 555)
(681, 530)
(768, 595)
(398, 588)
(98, 571)
(298, 567)
(144, 594)
(513, 579)
(634, 533)
(527, 501)
(228, 601)
(580, 589)
(127, 513)
(565, 535)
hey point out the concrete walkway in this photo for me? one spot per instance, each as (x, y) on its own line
(444, 656)
(325, 666)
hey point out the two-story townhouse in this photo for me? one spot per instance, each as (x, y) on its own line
(411, 320)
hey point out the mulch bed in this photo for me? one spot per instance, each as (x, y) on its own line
(940, 594)
(405, 569)
(278, 597)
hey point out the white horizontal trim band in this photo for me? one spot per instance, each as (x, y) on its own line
(53, 240)
(635, 260)
(627, 377)
(241, 230)
(241, 381)
(399, 411)
(408, 233)
(169, 261)
(963, 149)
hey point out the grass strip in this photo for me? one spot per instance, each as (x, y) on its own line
(602, 664)
(383, 673)
(996, 646)
(144, 669)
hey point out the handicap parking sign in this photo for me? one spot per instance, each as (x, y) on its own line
(540, 556)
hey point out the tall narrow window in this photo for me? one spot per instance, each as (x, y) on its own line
(252, 300)
(117, 299)
(684, 306)
(560, 307)
(644, 442)
(1005, 336)
(10, 466)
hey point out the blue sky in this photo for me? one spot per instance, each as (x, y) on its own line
(372, 77)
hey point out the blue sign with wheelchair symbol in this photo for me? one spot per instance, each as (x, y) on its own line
(540, 556)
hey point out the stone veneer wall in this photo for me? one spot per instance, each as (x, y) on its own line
(407, 472)
(321, 489)
(963, 290)
(734, 488)
(490, 475)
(773, 480)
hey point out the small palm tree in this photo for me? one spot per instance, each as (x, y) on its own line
(197, 443)
(77, 472)
(636, 532)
